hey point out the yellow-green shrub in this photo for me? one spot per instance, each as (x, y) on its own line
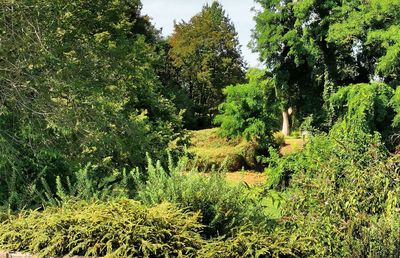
(123, 228)
(223, 206)
(250, 243)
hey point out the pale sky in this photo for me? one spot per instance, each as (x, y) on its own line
(164, 12)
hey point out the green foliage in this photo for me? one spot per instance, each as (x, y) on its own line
(395, 103)
(249, 110)
(121, 228)
(248, 243)
(342, 192)
(307, 124)
(363, 108)
(279, 138)
(205, 51)
(79, 90)
(349, 205)
(85, 185)
(373, 28)
(313, 48)
(221, 204)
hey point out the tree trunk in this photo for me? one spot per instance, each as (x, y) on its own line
(286, 122)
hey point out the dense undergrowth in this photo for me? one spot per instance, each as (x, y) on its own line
(339, 198)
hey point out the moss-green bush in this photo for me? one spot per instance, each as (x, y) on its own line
(235, 162)
(121, 228)
(3, 214)
(250, 153)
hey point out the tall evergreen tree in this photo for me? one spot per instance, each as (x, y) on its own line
(205, 51)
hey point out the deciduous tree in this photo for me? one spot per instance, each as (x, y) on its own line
(205, 51)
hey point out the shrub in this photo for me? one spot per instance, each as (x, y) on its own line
(307, 124)
(235, 162)
(250, 243)
(3, 214)
(85, 185)
(121, 228)
(222, 204)
(395, 104)
(296, 134)
(342, 192)
(250, 153)
(279, 138)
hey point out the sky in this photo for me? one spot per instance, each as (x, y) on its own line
(165, 12)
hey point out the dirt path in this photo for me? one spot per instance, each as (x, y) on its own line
(249, 177)
(292, 145)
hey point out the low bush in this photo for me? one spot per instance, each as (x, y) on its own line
(234, 162)
(121, 228)
(4, 213)
(250, 243)
(296, 134)
(223, 205)
(279, 138)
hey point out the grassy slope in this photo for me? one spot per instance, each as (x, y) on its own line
(208, 145)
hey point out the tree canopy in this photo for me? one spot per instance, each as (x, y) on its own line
(206, 53)
(78, 84)
(314, 48)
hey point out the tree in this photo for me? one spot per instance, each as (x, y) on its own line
(364, 109)
(249, 109)
(372, 28)
(78, 84)
(279, 40)
(321, 46)
(205, 51)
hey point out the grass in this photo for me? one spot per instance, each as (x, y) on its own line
(208, 145)
(212, 150)
(292, 145)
